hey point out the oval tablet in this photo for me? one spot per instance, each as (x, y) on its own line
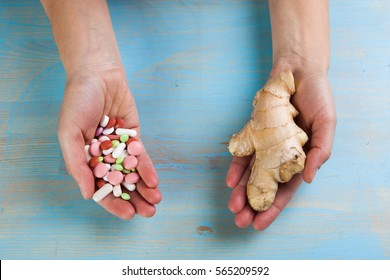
(135, 148)
(130, 162)
(115, 177)
(132, 178)
(100, 170)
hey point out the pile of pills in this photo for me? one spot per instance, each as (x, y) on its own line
(113, 158)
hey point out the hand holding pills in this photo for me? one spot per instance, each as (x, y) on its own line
(118, 166)
(86, 100)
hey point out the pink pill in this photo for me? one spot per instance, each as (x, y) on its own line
(99, 131)
(100, 170)
(94, 149)
(130, 162)
(135, 148)
(132, 178)
(115, 177)
(109, 159)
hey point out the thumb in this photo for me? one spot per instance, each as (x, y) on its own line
(72, 146)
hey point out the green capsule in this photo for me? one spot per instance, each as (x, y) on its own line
(124, 138)
(118, 167)
(119, 160)
(125, 171)
(125, 196)
(133, 170)
(100, 159)
(115, 143)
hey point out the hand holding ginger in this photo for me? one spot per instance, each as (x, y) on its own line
(300, 41)
(274, 138)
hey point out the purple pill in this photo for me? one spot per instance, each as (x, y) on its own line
(99, 131)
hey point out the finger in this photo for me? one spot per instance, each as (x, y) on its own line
(72, 145)
(118, 207)
(147, 171)
(285, 192)
(238, 197)
(236, 169)
(320, 148)
(153, 196)
(141, 206)
(245, 217)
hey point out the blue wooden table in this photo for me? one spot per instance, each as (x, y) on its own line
(194, 67)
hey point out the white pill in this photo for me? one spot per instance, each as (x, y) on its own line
(105, 178)
(118, 150)
(108, 131)
(108, 151)
(130, 187)
(117, 191)
(130, 132)
(94, 140)
(87, 154)
(104, 121)
(103, 138)
(102, 192)
(124, 154)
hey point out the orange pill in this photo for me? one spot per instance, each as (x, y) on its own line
(131, 139)
(100, 183)
(111, 122)
(120, 123)
(105, 145)
(93, 162)
(113, 136)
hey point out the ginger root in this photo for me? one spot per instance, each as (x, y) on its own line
(272, 134)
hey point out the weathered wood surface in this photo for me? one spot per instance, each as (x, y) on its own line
(194, 67)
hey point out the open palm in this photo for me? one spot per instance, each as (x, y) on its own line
(317, 118)
(87, 98)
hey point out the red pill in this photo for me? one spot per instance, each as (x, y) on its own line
(111, 123)
(131, 139)
(100, 183)
(113, 137)
(105, 145)
(120, 123)
(93, 162)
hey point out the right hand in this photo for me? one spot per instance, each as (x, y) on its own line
(90, 94)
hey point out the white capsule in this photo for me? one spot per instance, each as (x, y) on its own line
(130, 187)
(117, 191)
(130, 132)
(102, 192)
(105, 177)
(118, 150)
(103, 138)
(94, 140)
(124, 154)
(108, 151)
(104, 121)
(108, 131)
(87, 154)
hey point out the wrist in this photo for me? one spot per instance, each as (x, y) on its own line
(300, 64)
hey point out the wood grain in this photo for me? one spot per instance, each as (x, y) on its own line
(194, 67)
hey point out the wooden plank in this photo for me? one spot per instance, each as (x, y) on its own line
(194, 67)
